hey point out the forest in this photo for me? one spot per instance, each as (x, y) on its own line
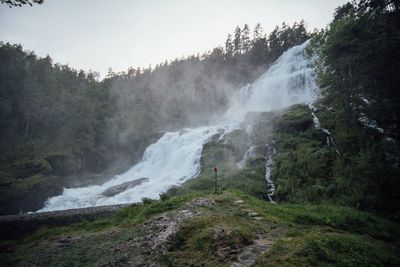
(359, 105)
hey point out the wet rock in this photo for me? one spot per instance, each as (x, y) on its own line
(161, 229)
(223, 253)
(115, 190)
(249, 253)
(262, 245)
(113, 232)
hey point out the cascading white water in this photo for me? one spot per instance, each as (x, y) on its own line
(175, 157)
(269, 163)
(329, 137)
(290, 80)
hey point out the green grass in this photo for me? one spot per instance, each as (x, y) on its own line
(316, 235)
(333, 216)
(130, 216)
(320, 248)
(207, 240)
(199, 240)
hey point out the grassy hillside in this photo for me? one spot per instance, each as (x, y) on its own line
(215, 229)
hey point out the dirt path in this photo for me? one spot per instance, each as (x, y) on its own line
(260, 245)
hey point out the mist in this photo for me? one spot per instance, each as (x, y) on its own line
(196, 90)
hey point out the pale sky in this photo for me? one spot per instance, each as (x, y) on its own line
(98, 34)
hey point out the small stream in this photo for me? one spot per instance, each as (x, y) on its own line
(269, 162)
(317, 125)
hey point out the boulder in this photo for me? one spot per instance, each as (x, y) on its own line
(115, 190)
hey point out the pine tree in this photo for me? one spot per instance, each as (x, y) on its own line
(237, 42)
(258, 33)
(245, 38)
(229, 48)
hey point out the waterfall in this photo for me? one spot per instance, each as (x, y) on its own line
(269, 162)
(175, 157)
(317, 125)
(290, 80)
(172, 160)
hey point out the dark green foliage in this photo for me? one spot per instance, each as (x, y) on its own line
(163, 196)
(294, 120)
(357, 71)
(51, 114)
(308, 170)
(329, 249)
(303, 161)
(250, 180)
(332, 216)
(46, 109)
(147, 200)
(361, 40)
(24, 185)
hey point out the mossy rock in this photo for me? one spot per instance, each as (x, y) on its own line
(23, 169)
(222, 156)
(28, 194)
(261, 124)
(238, 141)
(295, 119)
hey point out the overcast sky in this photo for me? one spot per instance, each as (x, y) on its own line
(98, 34)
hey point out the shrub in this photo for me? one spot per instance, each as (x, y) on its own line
(147, 200)
(164, 196)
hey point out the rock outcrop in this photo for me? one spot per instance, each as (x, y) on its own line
(115, 190)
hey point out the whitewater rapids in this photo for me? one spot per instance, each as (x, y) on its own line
(175, 157)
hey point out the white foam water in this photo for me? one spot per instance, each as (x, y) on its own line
(330, 141)
(175, 157)
(290, 80)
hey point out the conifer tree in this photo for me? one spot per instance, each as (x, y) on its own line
(229, 49)
(237, 41)
(245, 38)
(258, 33)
